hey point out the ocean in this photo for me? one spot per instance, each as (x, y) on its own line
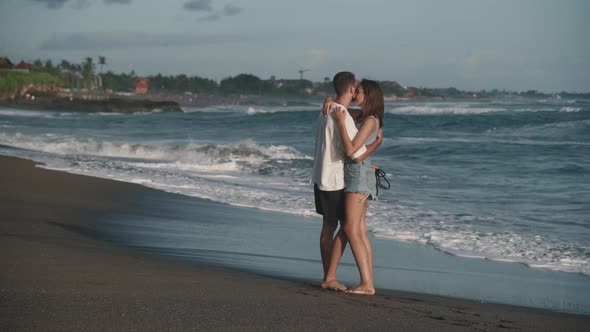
(505, 180)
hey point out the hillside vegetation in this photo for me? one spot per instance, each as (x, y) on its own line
(15, 83)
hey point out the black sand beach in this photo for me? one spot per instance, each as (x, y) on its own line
(59, 274)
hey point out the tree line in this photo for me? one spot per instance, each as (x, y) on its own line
(74, 75)
(83, 75)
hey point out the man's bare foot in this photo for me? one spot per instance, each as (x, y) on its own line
(333, 285)
(361, 290)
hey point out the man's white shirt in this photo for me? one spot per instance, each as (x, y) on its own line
(328, 163)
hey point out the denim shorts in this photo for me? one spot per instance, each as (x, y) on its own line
(360, 178)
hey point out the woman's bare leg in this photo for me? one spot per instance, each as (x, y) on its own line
(366, 239)
(355, 207)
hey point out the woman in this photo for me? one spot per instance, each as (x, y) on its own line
(359, 178)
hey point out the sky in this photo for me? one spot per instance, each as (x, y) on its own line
(468, 44)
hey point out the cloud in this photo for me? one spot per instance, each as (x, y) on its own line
(232, 10)
(210, 18)
(79, 4)
(214, 15)
(198, 5)
(131, 40)
(52, 4)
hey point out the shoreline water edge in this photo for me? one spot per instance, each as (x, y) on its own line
(282, 246)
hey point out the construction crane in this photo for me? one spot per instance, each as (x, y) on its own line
(301, 71)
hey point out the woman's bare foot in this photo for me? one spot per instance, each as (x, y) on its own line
(333, 285)
(361, 290)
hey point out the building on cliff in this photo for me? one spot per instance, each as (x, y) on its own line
(23, 66)
(141, 85)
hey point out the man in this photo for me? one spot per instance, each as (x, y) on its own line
(328, 173)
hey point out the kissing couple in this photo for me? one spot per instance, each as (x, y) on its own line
(344, 178)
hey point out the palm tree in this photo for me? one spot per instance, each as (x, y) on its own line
(48, 65)
(74, 70)
(65, 65)
(88, 70)
(102, 61)
(65, 68)
(38, 63)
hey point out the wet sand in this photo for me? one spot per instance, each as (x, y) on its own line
(57, 275)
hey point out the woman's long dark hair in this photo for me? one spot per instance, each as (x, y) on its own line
(374, 104)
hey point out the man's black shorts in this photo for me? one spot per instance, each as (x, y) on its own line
(330, 204)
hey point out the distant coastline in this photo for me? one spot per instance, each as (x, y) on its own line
(107, 105)
(98, 101)
(65, 100)
(77, 87)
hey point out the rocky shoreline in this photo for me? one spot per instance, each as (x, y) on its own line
(110, 105)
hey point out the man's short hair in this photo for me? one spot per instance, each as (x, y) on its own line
(342, 81)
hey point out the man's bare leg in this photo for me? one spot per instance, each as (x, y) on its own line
(327, 241)
(330, 281)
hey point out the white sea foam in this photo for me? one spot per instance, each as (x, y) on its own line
(433, 110)
(110, 113)
(276, 109)
(249, 110)
(534, 110)
(401, 140)
(570, 109)
(192, 109)
(458, 109)
(25, 113)
(459, 235)
(252, 111)
(185, 156)
(216, 167)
